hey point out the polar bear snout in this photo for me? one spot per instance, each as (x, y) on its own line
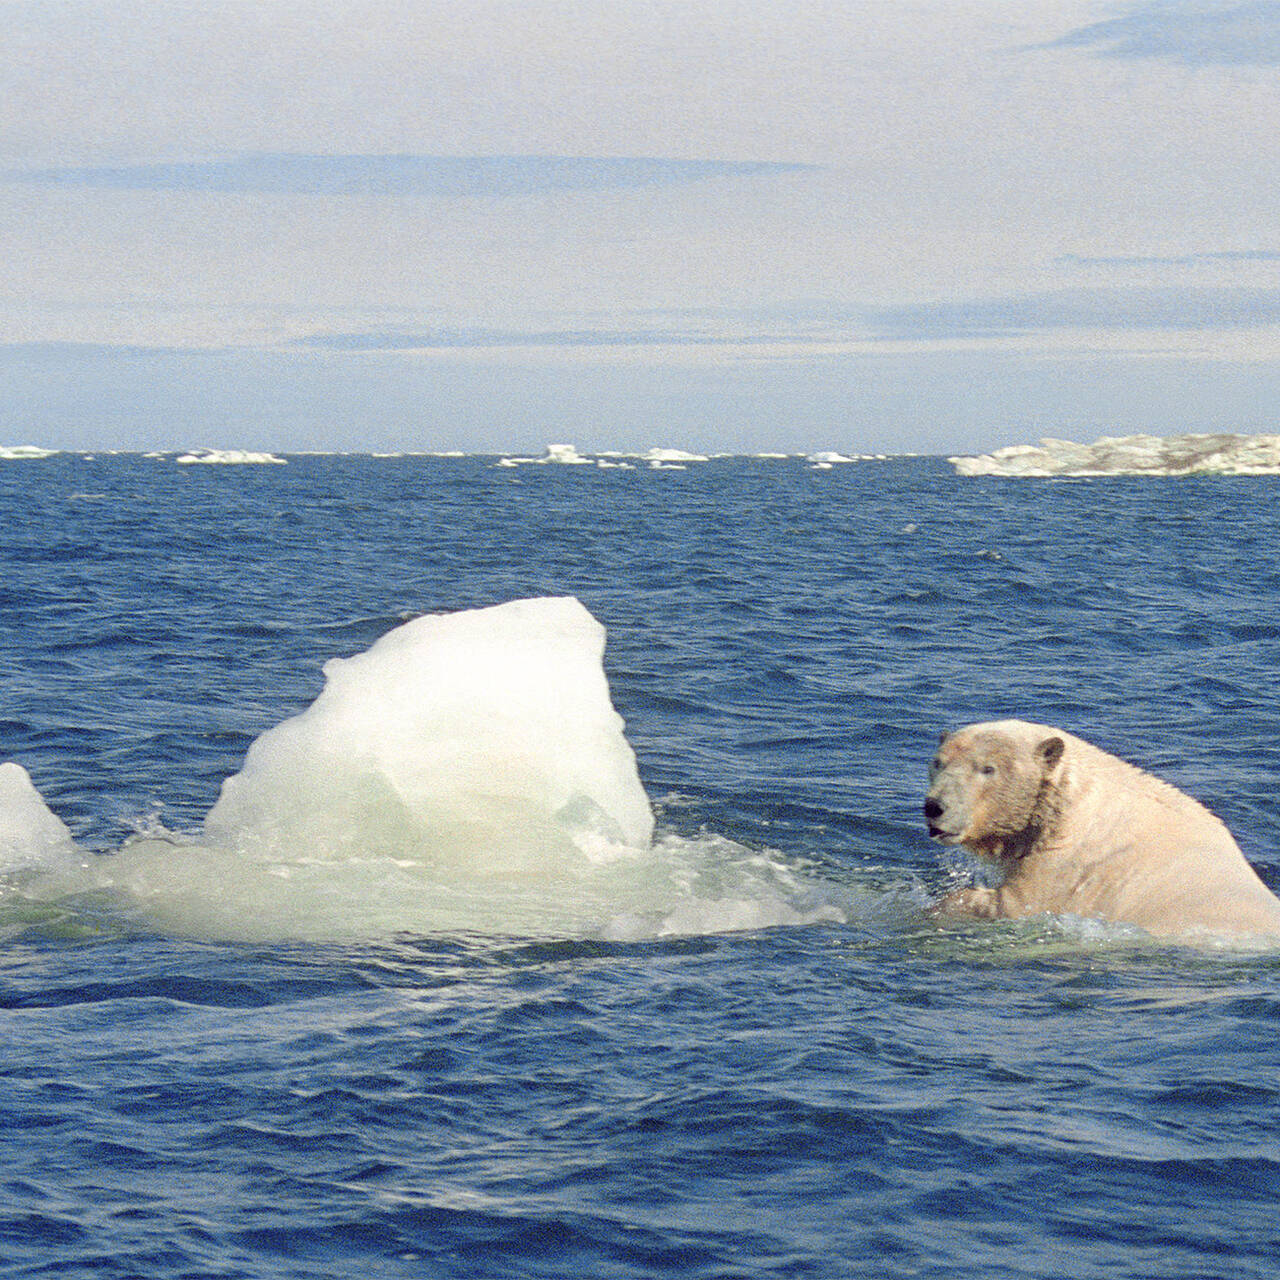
(933, 810)
(935, 816)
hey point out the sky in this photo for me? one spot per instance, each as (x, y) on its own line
(933, 226)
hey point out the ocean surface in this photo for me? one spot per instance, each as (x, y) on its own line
(742, 1051)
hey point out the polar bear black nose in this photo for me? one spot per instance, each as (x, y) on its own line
(932, 809)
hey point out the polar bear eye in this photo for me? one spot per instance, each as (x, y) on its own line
(987, 770)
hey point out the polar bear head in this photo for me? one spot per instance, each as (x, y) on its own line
(989, 785)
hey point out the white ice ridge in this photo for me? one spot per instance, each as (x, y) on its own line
(231, 456)
(564, 455)
(1218, 454)
(484, 739)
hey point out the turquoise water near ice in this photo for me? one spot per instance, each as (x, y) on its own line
(778, 1067)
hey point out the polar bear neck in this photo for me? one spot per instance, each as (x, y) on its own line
(1039, 831)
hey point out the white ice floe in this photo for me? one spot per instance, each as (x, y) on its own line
(18, 452)
(561, 455)
(565, 455)
(30, 834)
(228, 456)
(1181, 455)
(466, 774)
(672, 456)
(568, 455)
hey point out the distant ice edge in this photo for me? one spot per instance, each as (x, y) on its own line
(1179, 455)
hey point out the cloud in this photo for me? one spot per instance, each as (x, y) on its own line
(451, 339)
(1225, 256)
(1104, 309)
(818, 328)
(402, 175)
(1196, 34)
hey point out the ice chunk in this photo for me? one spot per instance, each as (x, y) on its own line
(17, 452)
(658, 455)
(565, 455)
(30, 834)
(482, 740)
(228, 456)
(467, 774)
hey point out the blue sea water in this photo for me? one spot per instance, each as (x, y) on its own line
(839, 1088)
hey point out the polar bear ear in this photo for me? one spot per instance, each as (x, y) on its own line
(1050, 751)
(943, 736)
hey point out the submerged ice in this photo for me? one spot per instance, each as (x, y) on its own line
(467, 773)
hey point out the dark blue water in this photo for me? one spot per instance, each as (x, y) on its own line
(867, 1094)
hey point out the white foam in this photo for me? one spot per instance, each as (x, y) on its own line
(677, 887)
(1193, 454)
(232, 457)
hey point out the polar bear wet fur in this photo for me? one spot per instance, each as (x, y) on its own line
(1077, 831)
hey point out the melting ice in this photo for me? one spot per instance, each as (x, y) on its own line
(466, 773)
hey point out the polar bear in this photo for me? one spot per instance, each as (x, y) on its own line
(1075, 830)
